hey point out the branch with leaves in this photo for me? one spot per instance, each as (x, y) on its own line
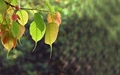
(14, 18)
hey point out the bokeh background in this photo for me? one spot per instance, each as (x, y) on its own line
(88, 42)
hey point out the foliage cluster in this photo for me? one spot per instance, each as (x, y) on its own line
(88, 43)
(13, 19)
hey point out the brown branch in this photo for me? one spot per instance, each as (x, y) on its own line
(26, 8)
(9, 4)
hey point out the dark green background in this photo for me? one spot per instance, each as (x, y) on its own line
(88, 42)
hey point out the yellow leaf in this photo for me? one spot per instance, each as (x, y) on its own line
(51, 33)
(10, 11)
(23, 17)
(7, 42)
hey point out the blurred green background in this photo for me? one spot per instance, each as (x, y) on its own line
(88, 42)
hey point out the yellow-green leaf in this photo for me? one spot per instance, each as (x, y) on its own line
(35, 32)
(23, 17)
(51, 33)
(14, 2)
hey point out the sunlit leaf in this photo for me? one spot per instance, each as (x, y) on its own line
(51, 33)
(14, 2)
(39, 21)
(35, 32)
(10, 11)
(23, 15)
(7, 42)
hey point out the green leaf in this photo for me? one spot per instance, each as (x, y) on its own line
(9, 1)
(39, 21)
(23, 15)
(14, 2)
(35, 32)
(3, 6)
(15, 29)
(51, 34)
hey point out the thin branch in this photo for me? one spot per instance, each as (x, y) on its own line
(27, 8)
(9, 4)
(34, 9)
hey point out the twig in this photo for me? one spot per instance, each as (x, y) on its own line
(9, 4)
(34, 9)
(27, 8)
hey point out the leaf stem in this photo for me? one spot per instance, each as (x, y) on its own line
(34, 46)
(50, 51)
(7, 54)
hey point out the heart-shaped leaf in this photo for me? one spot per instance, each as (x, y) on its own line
(35, 32)
(7, 42)
(51, 34)
(23, 17)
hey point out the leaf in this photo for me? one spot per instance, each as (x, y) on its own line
(8, 1)
(14, 2)
(9, 45)
(35, 32)
(7, 42)
(1, 33)
(3, 6)
(10, 10)
(56, 18)
(39, 21)
(22, 30)
(51, 34)
(50, 18)
(15, 29)
(14, 42)
(23, 15)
